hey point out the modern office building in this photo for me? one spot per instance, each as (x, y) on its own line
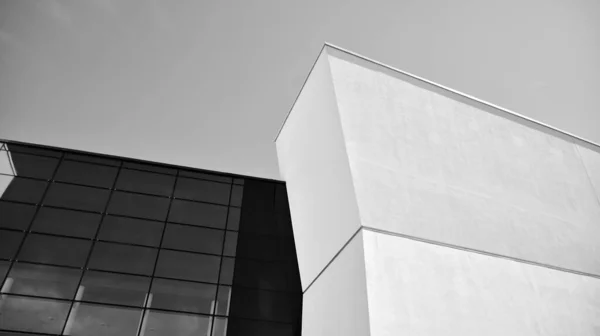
(407, 208)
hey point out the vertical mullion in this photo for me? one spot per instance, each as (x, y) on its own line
(141, 326)
(37, 209)
(213, 318)
(89, 256)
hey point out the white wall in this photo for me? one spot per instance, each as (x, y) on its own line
(435, 166)
(313, 161)
(417, 288)
(336, 304)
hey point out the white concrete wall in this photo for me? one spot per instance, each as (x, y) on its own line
(417, 288)
(433, 166)
(336, 304)
(313, 161)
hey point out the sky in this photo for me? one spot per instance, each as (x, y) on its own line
(207, 83)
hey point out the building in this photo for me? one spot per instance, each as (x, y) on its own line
(413, 209)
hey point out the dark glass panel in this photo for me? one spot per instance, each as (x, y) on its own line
(242, 327)
(183, 296)
(233, 220)
(87, 173)
(188, 266)
(227, 270)
(175, 324)
(39, 280)
(15, 215)
(202, 214)
(258, 212)
(257, 274)
(9, 243)
(129, 290)
(143, 206)
(204, 191)
(32, 150)
(145, 182)
(55, 250)
(274, 306)
(92, 159)
(237, 192)
(261, 247)
(229, 249)
(22, 189)
(282, 212)
(238, 181)
(33, 315)
(194, 239)
(66, 222)
(33, 166)
(123, 258)
(223, 300)
(99, 320)
(204, 176)
(148, 167)
(76, 197)
(130, 230)
(4, 265)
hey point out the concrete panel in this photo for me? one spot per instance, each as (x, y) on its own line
(336, 304)
(416, 288)
(433, 166)
(591, 162)
(314, 163)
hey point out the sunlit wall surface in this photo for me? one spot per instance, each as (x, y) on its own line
(93, 245)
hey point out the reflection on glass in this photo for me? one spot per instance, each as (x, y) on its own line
(122, 289)
(220, 326)
(15, 215)
(145, 182)
(183, 296)
(223, 300)
(203, 191)
(87, 174)
(38, 280)
(227, 266)
(230, 246)
(194, 239)
(175, 324)
(131, 230)
(188, 266)
(99, 320)
(55, 250)
(6, 166)
(22, 189)
(66, 222)
(201, 214)
(237, 192)
(3, 269)
(233, 220)
(9, 243)
(77, 197)
(33, 315)
(33, 166)
(123, 258)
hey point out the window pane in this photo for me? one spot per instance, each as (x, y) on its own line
(194, 239)
(33, 166)
(188, 266)
(55, 250)
(145, 182)
(122, 258)
(86, 173)
(99, 320)
(15, 215)
(138, 206)
(66, 222)
(149, 167)
(4, 265)
(233, 220)
(122, 289)
(92, 159)
(202, 214)
(230, 244)
(253, 246)
(183, 296)
(76, 197)
(22, 189)
(227, 267)
(220, 326)
(242, 327)
(34, 315)
(205, 176)
(175, 324)
(38, 280)
(257, 274)
(129, 230)
(204, 191)
(32, 150)
(223, 300)
(238, 181)
(237, 192)
(275, 306)
(9, 243)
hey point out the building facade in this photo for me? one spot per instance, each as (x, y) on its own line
(97, 245)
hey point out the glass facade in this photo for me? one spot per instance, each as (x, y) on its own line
(95, 245)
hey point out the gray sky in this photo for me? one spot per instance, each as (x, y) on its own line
(208, 83)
